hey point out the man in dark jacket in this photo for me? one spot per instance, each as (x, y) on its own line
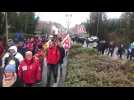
(121, 50)
(62, 55)
(111, 48)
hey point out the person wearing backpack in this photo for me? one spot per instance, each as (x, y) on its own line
(52, 58)
(11, 54)
(12, 57)
(29, 70)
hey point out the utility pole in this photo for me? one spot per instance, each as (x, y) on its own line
(6, 21)
(68, 16)
(97, 23)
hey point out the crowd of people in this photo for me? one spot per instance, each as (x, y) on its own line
(21, 65)
(109, 48)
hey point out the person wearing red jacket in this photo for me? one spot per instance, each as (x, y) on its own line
(29, 70)
(1, 51)
(40, 55)
(29, 46)
(1, 54)
(52, 58)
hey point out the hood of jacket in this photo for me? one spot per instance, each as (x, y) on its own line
(14, 48)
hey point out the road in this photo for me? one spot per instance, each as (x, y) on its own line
(60, 80)
(64, 73)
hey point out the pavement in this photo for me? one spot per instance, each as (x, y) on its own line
(60, 80)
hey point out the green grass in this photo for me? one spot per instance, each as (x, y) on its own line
(86, 69)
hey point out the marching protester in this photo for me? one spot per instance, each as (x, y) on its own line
(12, 57)
(62, 54)
(1, 51)
(53, 57)
(87, 41)
(111, 48)
(132, 51)
(20, 48)
(1, 54)
(40, 54)
(30, 44)
(121, 50)
(29, 70)
(12, 54)
(129, 49)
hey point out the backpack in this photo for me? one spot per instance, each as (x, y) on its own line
(8, 59)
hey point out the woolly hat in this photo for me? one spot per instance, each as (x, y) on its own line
(10, 68)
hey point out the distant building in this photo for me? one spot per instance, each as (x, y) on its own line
(51, 27)
(78, 30)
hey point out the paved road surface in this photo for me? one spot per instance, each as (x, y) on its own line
(60, 81)
(64, 72)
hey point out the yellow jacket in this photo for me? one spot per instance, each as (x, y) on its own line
(46, 45)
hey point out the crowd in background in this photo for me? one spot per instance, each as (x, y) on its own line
(126, 50)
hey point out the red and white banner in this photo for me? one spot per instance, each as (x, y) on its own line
(81, 29)
(67, 42)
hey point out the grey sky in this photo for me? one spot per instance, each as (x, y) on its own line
(77, 17)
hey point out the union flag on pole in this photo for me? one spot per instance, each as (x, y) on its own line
(67, 42)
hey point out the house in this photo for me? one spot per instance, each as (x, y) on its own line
(49, 27)
(78, 30)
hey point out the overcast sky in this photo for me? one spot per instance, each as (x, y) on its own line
(77, 17)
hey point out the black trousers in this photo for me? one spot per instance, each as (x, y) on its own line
(120, 55)
(128, 55)
(110, 52)
(52, 69)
